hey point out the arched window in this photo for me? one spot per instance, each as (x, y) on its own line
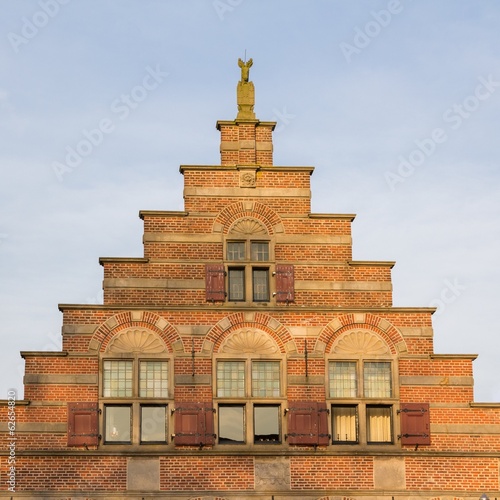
(361, 389)
(249, 390)
(135, 389)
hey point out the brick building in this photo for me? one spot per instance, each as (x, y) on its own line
(246, 355)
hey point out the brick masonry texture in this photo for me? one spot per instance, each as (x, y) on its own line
(341, 310)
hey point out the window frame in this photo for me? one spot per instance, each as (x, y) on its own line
(362, 403)
(249, 266)
(248, 402)
(135, 401)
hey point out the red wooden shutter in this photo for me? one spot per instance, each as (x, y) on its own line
(83, 424)
(415, 423)
(285, 283)
(214, 283)
(194, 424)
(323, 436)
(308, 423)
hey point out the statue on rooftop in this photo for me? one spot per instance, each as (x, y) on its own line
(245, 69)
(245, 92)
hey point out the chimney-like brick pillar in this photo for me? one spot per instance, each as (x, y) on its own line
(246, 142)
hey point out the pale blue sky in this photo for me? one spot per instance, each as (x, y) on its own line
(395, 102)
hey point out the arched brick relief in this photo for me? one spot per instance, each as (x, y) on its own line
(251, 211)
(233, 331)
(361, 322)
(138, 322)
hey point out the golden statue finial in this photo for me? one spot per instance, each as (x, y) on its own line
(245, 92)
(245, 69)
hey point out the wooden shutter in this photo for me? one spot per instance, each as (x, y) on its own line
(194, 424)
(214, 283)
(308, 423)
(83, 424)
(415, 424)
(285, 283)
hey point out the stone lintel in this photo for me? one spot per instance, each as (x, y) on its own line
(371, 263)
(349, 217)
(43, 354)
(162, 213)
(121, 260)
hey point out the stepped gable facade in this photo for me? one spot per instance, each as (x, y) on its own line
(247, 355)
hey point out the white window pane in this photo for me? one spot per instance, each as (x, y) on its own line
(117, 424)
(266, 421)
(236, 284)
(266, 379)
(343, 379)
(231, 379)
(377, 379)
(378, 424)
(345, 424)
(231, 424)
(153, 423)
(153, 379)
(259, 250)
(260, 284)
(117, 379)
(235, 250)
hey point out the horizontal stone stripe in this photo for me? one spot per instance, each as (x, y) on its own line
(370, 286)
(154, 283)
(36, 427)
(436, 380)
(251, 193)
(64, 379)
(465, 429)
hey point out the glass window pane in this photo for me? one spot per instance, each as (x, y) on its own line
(153, 379)
(342, 379)
(378, 424)
(231, 424)
(260, 284)
(266, 421)
(117, 424)
(236, 284)
(377, 379)
(345, 424)
(235, 250)
(153, 424)
(266, 379)
(117, 379)
(231, 379)
(259, 250)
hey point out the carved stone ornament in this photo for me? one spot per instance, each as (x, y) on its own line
(247, 178)
(137, 341)
(250, 342)
(247, 227)
(360, 342)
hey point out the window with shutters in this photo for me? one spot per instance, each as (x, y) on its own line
(248, 282)
(362, 401)
(135, 396)
(249, 274)
(249, 398)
